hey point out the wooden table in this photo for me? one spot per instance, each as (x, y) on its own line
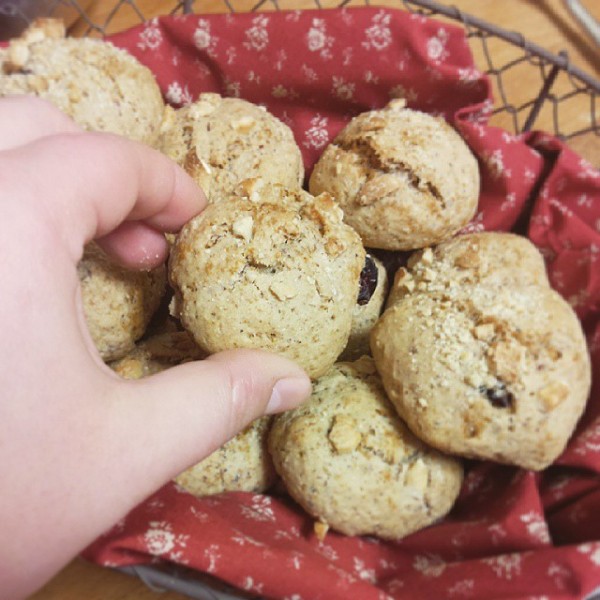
(544, 22)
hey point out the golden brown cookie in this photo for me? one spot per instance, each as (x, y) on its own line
(103, 88)
(118, 303)
(269, 268)
(222, 141)
(351, 463)
(489, 258)
(403, 178)
(243, 464)
(486, 372)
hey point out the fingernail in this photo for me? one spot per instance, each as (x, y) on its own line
(288, 393)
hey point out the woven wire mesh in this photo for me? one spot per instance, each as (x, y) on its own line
(552, 87)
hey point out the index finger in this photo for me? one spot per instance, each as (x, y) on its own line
(87, 184)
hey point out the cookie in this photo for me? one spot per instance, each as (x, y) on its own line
(243, 464)
(488, 258)
(157, 353)
(486, 372)
(222, 141)
(350, 462)
(369, 303)
(118, 303)
(270, 268)
(404, 179)
(103, 88)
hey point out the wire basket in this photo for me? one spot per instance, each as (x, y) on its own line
(555, 92)
(554, 88)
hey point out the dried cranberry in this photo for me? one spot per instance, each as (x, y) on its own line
(498, 395)
(368, 281)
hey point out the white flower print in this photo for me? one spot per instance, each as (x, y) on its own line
(529, 175)
(436, 46)
(231, 54)
(327, 551)
(468, 76)
(309, 74)
(462, 588)
(560, 207)
(160, 540)
(370, 77)
(290, 534)
(509, 202)
(257, 36)
(260, 509)
(178, 95)
(362, 571)
(590, 255)
(251, 586)
(203, 38)
(560, 575)
(317, 39)
(293, 597)
(343, 89)
(494, 161)
(347, 56)
(280, 59)
(241, 539)
(589, 440)
(475, 225)
(151, 37)
(497, 532)
(213, 554)
(584, 200)
(279, 91)
(537, 528)
(317, 135)
(253, 77)
(506, 566)
(592, 551)
(588, 171)
(399, 91)
(378, 35)
(431, 565)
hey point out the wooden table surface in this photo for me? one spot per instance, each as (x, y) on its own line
(544, 22)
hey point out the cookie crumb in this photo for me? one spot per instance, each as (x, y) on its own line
(344, 435)
(243, 226)
(321, 530)
(553, 394)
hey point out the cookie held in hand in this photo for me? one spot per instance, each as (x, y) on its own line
(269, 268)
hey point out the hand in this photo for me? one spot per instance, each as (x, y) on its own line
(80, 447)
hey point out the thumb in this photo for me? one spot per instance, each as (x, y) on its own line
(171, 420)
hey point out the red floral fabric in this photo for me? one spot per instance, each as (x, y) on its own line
(512, 533)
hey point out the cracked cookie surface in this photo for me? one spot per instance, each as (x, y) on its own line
(351, 462)
(404, 179)
(222, 141)
(269, 268)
